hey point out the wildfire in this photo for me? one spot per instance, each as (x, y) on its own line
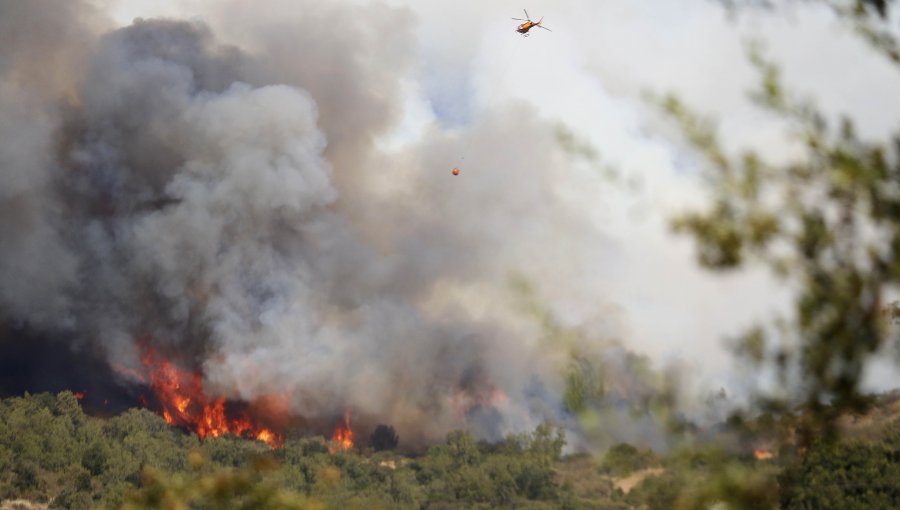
(79, 395)
(464, 400)
(342, 439)
(762, 454)
(128, 373)
(184, 403)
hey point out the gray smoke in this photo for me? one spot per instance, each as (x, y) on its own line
(43, 44)
(223, 199)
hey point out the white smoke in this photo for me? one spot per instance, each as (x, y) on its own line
(224, 200)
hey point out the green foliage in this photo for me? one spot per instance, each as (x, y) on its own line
(739, 486)
(94, 458)
(657, 492)
(853, 475)
(623, 459)
(102, 469)
(584, 384)
(25, 475)
(245, 488)
(137, 460)
(829, 222)
(520, 467)
(231, 451)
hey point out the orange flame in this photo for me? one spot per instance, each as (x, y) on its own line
(762, 454)
(79, 395)
(184, 404)
(342, 439)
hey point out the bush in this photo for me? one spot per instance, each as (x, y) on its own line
(384, 438)
(856, 475)
(623, 459)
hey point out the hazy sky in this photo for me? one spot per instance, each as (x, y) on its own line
(588, 74)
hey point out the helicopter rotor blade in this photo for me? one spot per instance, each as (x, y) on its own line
(519, 19)
(545, 28)
(526, 15)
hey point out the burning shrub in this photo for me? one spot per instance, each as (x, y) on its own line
(342, 438)
(184, 403)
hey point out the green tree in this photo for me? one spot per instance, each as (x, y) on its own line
(94, 458)
(26, 476)
(852, 475)
(547, 443)
(827, 222)
(224, 488)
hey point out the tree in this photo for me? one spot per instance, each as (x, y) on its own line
(854, 475)
(94, 458)
(827, 222)
(223, 488)
(384, 438)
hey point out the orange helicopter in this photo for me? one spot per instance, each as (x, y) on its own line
(528, 25)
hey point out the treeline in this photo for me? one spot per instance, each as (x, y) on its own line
(51, 452)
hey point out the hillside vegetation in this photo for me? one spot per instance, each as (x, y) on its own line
(53, 455)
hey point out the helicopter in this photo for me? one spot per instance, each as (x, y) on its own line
(528, 25)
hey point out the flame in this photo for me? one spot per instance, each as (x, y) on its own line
(266, 436)
(342, 439)
(79, 395)
(762, 454)
(184, 404)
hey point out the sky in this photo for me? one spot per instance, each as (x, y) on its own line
(589, 74)
(266, 189)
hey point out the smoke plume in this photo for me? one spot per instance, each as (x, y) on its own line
(219, 194)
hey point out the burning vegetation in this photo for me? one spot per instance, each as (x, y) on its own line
(177, 394)
(182, 401)
(110, 454)
(763, 454)
(342, 438)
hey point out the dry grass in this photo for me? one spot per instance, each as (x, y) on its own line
(627, 483)
(21, 504)
(586, 481)
(872, 425)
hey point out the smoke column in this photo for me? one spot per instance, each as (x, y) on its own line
(221, 198)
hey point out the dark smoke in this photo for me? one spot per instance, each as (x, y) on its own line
(226, 203)
(35, 363)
